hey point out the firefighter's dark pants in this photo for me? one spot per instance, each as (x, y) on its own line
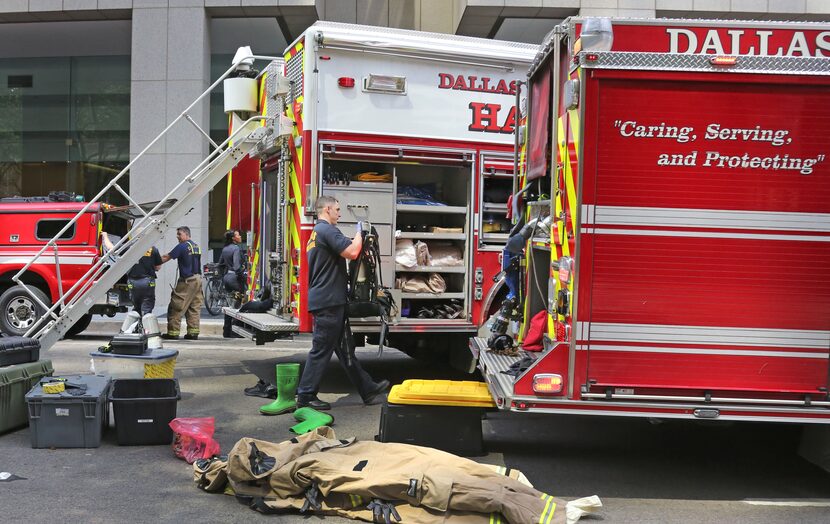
(143, 294)
(329, 336)
(233, 284)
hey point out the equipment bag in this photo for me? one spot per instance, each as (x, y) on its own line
(130, 343)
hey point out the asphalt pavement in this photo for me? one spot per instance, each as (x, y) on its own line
(643, 472)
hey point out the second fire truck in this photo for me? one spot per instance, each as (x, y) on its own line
(412, 132)
(683, 167)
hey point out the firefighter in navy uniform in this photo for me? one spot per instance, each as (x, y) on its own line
(186, 298)
(327, 252)
(233, 280)
(142, 281)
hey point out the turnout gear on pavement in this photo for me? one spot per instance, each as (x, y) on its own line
(423, 485)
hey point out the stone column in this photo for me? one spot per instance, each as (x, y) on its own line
(170, 68)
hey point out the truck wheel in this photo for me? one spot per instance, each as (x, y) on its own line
(18, 310)
(79, 326)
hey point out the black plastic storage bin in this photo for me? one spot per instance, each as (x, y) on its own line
(143, 409)
(452, 429)
(18, 350)
(66, 420)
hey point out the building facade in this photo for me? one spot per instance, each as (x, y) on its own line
(85, 85)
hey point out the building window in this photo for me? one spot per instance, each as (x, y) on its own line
(68, 131)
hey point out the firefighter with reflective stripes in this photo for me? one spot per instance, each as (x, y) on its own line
(187, 295)
(141, 280)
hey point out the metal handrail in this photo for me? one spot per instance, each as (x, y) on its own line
(143, 223)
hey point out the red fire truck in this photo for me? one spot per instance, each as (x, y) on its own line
(29, 223)
(687, 271)
(410, 131)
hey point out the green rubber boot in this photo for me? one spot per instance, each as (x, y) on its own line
(310, 419)
(288, 376)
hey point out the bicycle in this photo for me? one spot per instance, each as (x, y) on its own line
(216, 296)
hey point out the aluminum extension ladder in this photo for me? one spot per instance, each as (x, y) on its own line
(145, 232)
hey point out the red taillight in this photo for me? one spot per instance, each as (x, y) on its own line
(345, 81)
(547, 384)
(592, 57)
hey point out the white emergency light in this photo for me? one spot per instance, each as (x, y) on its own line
(393, 85)
(245, 57)
(597, 34)
(241, 93)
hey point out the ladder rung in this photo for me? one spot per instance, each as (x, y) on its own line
(189, 119)
(129, 199)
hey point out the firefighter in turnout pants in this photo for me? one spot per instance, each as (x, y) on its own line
(187, 296)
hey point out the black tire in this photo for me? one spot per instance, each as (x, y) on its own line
(213, 296)
(18, 310)
(79, 326)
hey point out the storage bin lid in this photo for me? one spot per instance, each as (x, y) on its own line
(442, 393)
(97, 386)
(150, 354)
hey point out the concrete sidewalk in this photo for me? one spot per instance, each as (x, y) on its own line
(209, 325)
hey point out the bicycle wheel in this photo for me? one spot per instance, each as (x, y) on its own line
(213, 292)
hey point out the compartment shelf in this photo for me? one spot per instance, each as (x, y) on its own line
(415, 208)
(354, 184)
(416, 296)
(495, 236)
(495, 208)
(430, 269)
(432, 236)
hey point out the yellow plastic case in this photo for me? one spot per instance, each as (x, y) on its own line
(441, 393)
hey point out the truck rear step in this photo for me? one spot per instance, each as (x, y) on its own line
(491, 366)
(262, 327)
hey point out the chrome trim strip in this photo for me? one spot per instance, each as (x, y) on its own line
(677, 406)
(689, 351)
(686, 416)
(701, 234)
(726, 400)
(713, 218)
(707, 335)
(682, 62)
